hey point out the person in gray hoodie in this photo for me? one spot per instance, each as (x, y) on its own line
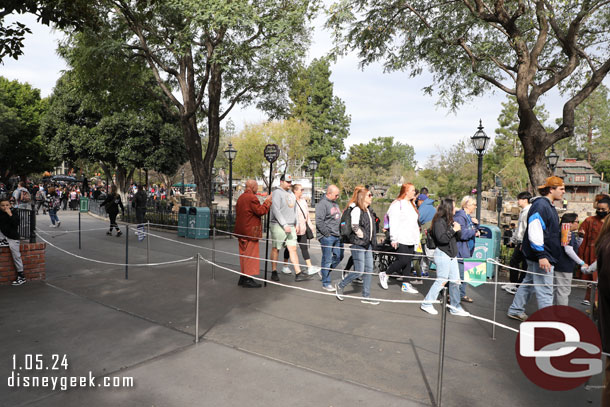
(283, 223)
(328, 218)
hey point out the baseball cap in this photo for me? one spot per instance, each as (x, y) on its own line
(552, 182)
(286, 178)
(422, 197)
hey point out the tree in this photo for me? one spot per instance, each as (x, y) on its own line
(60, 13)
(207, 58)
(292, 138)
(380, 153)
(22, 151)
(312, 100)
(524, 49)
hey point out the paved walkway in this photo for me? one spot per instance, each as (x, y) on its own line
(259, 347)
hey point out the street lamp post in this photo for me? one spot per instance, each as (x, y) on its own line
(182, 200)
(552, 160)
(479, 142)
(230, 153)
(313, 166)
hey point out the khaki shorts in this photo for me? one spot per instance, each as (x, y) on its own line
(280, 237)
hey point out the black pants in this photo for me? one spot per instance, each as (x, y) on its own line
(350, 263)
(303, 244)
(113, 223)
(517, 261)
(140, 215)
(402, 264)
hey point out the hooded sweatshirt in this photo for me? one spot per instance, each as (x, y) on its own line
(426, 211)
(542, 238)
(283, 208)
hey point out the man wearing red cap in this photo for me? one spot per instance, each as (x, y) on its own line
(541, 247)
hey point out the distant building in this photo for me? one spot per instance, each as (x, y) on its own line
(581, 180)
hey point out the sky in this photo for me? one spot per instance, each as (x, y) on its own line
(380, 104)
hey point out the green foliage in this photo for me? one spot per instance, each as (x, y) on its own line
(60, 13)
(312, 100)
(381, 153)
(292, 138)
(22, 151)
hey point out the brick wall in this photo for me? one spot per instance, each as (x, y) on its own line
(33, 257)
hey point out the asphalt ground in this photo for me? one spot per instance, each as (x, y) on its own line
(273, 346)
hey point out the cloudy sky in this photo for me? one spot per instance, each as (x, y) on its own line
(380, 104)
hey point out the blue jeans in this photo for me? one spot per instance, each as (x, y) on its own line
(53, 216)
(446, 269)
(463, 285)
(544, 292)
(332, 254)
(363, 263)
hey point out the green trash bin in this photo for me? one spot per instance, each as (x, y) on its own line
(487, 246)
(183, 223)
(84, 204)
(198, 223)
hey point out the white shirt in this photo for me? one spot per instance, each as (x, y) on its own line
(404, 226)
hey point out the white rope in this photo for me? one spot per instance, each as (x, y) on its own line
(115, 264)
(493, 261)
(315, 291)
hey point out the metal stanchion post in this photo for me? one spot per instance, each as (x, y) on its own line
(593, 289)
(197, 304)
(441, 348)
(214, 253)
(147, 242)
(79, 229)
(493, 326)
(127, 252)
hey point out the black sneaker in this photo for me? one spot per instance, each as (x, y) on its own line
(274, 276)
(18, 281)
(302, 277)
(119, 233)
(109, 233)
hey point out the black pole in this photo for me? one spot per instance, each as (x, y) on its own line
(127, 252)
(32, 226)
(268, 219)
(479, 186)
(230, 193)
(79, 229)
(313, 189)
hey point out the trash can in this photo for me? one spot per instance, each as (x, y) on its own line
(183, 222)
(199, 223)
(487, 246)
(84, 204)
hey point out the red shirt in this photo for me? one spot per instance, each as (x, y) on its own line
(248, 213)
(591, 228)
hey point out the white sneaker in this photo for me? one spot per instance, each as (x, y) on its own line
(508, 287)
(286, 270)
(369, 301)
(52, 226)
(408, 288)
(460, 312)
(512, 290)
(328, 288)
(313, 270)
(429, 309)
(383, 280)
(505, 286)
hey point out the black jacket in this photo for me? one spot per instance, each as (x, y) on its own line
(366, 227)
(445, 237)
(139, 199)
(112, 203)
(603, 270)
(9, 225)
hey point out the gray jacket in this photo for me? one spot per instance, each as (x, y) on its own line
(328, 218)
(283, 208)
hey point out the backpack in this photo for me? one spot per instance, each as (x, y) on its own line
(25, 196)
(39, 196)
(345, 226)
(54, 203)
(430, 243)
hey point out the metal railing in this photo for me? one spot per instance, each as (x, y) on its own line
(27, 224)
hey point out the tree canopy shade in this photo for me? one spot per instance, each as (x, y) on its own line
(208, 56)
(22, 151)
(61, 13)
(523, 48)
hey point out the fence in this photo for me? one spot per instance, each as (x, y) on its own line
(27, 224)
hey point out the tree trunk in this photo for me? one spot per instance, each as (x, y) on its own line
(535, 141)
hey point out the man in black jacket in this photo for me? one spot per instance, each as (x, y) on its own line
(9, 231)
(139, 203)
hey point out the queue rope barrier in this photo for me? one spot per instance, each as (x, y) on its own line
(336, 269)
(116, 264)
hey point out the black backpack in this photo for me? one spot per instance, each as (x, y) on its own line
(430, 243)
(345, 227)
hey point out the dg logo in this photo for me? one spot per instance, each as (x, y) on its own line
(559, 348)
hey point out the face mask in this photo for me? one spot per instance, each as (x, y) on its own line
(601, 214)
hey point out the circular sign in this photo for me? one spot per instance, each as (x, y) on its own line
(559, 348)
(272, 152)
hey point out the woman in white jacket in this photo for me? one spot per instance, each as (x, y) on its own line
(404, 235)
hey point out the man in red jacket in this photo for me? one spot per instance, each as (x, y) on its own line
(248, 228)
